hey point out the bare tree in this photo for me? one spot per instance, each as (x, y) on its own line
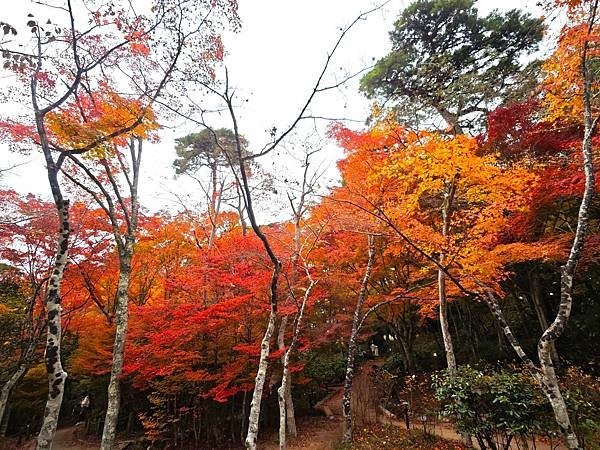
(299, 205)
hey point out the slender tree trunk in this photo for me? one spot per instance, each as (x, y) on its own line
(548, 384)
(259, 383)
(121, 321)
(347, 398)
(556, 328)
(215, 206)
(7, 388)
(22, 368)
(52, 354)
(243, 424)
(5, 420)
(538, 306)
(284, 389)
(410, 364)
(449, 192)
(446, 337)
(288, 404)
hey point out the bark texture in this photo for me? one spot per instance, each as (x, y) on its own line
(356, 322)
(52, 355)
(27, 356)
(121, 321)
(556, 328)
(548, 385)
(538, 305)
(242, 178)
(286, 405)
(126, 245)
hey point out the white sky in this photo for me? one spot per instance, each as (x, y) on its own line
(273, 62)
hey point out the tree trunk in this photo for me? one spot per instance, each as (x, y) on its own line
(6, 390)
(556, 328)
(284, 389)
(263, 363)
(259, 383)
(449, 192)
(538, 306)
(243, 421)
(347, 398)
(52, 355)
(451, 119)
(5, 420)
(288, 404)
(121, 320)
(546, 379)
(407, 350)
(23, 367)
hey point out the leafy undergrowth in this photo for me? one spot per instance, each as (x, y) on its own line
(389, 437)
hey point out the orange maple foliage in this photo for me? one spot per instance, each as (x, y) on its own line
(563, 81)
(101, 120)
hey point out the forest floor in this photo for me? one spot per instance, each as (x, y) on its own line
(325, 432)
(64, 439)
(382, 431)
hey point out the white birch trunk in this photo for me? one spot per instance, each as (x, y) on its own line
(286, 408)
(556, 328)
(259, 383)
(536, 298)
(284, 389)
(126, 249)
(546, 380)
(52, 355)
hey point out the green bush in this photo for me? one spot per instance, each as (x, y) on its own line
(325, 368)
(495, 407)
(582, 394)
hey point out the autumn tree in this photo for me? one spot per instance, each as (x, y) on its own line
(218, 344)
(64, 66)
(226, 94)
(571, 91)
(26, 244)
(124, 217)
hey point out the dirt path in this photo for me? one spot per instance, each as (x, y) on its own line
(64, 439)
(325, 433)
(315, 433)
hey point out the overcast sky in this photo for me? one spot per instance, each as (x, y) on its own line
(273, 61)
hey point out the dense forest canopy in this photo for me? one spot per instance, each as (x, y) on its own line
(442, 294)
